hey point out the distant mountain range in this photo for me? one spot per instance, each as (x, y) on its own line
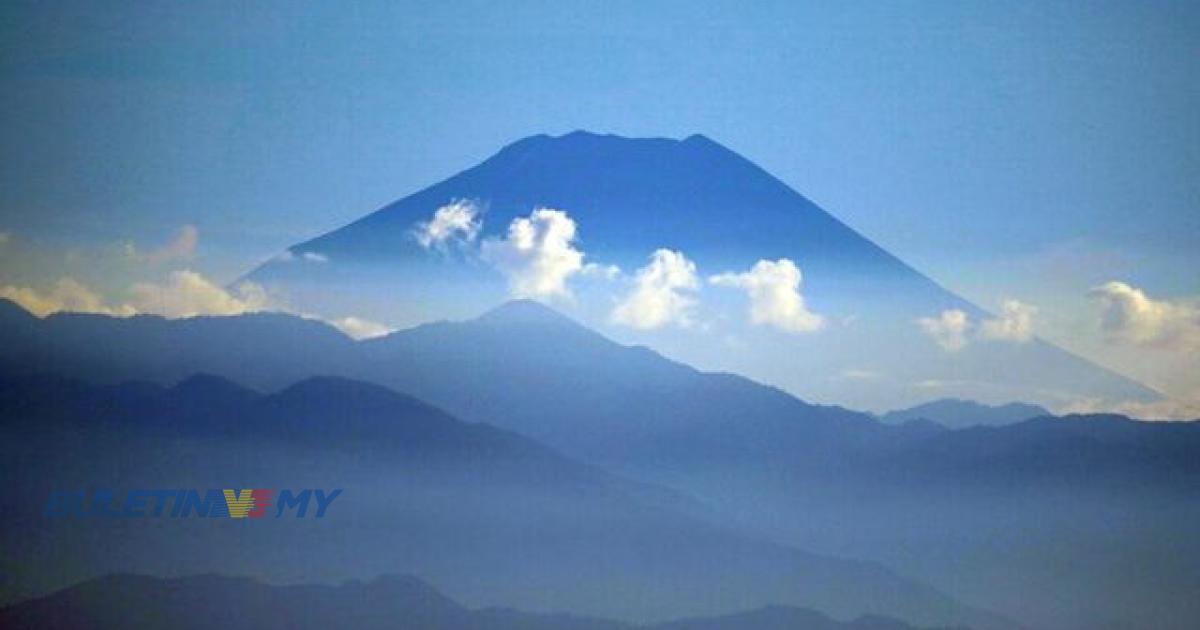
(956, 413)
(631, 196)
(212, 602)
(1055, 521)
(495, 518)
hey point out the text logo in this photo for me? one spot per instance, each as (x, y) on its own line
(239, 503)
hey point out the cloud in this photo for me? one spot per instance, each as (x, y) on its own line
(1128, 315)
(603, 272)
(1015, 323)
(287, 256)
(67, 295)
(183, 246)
(775, 299)
(188, 294)
(857, 374)
(360, 328)
(537, 255)
(949, 329)
(455, 221)
(1165, 409)
(185, 294)
(660, 294)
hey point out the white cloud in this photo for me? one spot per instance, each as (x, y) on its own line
(537, 255)
(315, 257)
(458, 220)
(775, 299)
(949, 329)
(1130, 316)
(184, 294)
(183, 246)
(360, 328)
(603, 272)
(67, 295)
(188, 294)
(660, 294)
(1015, 323)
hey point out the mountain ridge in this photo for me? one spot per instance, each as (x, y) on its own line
(216, 602)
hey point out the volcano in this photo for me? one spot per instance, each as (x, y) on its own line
(630, 197)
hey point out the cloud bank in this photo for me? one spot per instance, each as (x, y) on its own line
(661, 293)
(188, 294)
(775, 299)
(67, 295)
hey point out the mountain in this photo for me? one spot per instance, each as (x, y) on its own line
(265, 350)
(494, 517)
(956, 413)
(541, 374)
(629, 197)
(1055, 521)
(213, 602)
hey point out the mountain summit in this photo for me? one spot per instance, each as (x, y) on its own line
(621, 200)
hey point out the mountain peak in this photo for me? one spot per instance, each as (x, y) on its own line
(206, 386)
(525, 311)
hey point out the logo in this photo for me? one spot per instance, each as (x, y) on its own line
(238, 503)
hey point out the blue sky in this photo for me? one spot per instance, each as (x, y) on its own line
(1027, 150)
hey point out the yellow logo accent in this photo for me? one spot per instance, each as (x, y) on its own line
(239, 504)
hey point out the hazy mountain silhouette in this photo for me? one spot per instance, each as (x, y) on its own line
(495, 518)
(213, 602)
(632, 196)
(956, 413)
(975, 511)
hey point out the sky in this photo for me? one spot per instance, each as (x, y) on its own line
(1028, 150)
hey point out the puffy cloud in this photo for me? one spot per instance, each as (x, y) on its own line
(949, 329)
(360, 328)
(187, 294)
(775, 299)
(181, 247)
(660, 293)
(458, 220)
(67, 295)
(1130, 316)
(1015, 323)
(537, 255)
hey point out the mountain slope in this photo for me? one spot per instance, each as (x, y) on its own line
(632, 196)
(496, 518)
(212, 602)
